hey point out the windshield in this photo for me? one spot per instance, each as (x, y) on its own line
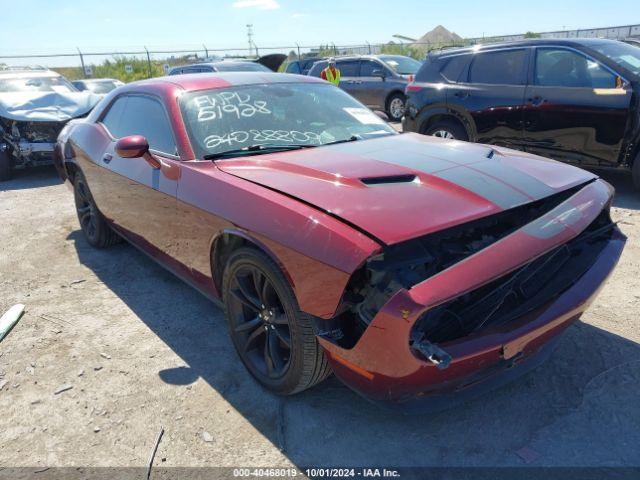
(101, 87)
(36, 84)
(401, 65)
(623, 54)
(240, 67)
(276, 114)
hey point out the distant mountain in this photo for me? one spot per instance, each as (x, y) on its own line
(438, 36)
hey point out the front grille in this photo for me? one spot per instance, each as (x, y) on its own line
(522, 291)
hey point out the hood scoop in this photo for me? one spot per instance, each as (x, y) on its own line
(388, 179)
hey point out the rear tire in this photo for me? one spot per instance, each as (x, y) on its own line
(95, 228)
(395, 106)
(5, 166)
(635, 172)
(448, 129)
(274, 339)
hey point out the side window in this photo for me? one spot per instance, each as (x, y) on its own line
(317, 68)
(293, 67)
(565, 68)
(453, 67)
(505, 67)
(348, 68)
(144, 116)
(367, 68)
(112, 118)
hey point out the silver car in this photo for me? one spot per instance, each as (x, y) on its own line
(378, 81)
(35, 104)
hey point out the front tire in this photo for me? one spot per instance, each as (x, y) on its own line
(395, 107)
(95, 228)
(274, 339)
(5, 166)
(448, 129)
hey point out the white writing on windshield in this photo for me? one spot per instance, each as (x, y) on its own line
(236, 104)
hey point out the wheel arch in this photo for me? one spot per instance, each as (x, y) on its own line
(429, 117)
(231, 239)
(71, 169)
(391, 94)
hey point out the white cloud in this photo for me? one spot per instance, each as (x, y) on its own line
(261, 4)
(299, 15)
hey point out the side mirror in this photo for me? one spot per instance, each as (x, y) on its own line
(619, 82)
(136, 146)
(378, 72)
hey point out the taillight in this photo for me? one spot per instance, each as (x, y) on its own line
(412, 87)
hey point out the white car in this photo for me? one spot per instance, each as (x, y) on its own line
(35, 104)
(99, 86)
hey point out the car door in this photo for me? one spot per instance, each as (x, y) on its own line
(349, 77)
(373, 75)
(576, 108)
(139, 199)
(493, 95)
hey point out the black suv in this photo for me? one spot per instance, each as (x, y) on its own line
(573, 100)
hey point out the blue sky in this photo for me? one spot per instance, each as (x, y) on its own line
(40, 26)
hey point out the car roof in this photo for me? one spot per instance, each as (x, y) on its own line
(214, 63)
(204, 81)
(532, 42)
(373, 55)
(28, 73)
(96, 80)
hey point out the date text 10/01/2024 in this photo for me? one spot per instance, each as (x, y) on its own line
(318, 472)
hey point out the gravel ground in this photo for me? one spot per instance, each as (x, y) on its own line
(141, 350)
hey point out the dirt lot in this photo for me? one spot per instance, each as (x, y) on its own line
(142, 350)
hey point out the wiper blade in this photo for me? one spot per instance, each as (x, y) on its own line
(256, 150)
(352, 138)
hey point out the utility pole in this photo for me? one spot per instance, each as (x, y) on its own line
(84, 70)
(250, 36)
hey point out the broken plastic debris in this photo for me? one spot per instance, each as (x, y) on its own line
(9, 319)
(62, 388)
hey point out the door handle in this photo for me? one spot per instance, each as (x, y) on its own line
(462, 94)
(107, 158)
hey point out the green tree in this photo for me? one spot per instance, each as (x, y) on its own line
(115, 68)
(393, 48)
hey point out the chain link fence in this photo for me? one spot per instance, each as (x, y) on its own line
(139, 63)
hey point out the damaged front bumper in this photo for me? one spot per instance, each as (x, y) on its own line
(36, 153)
(388, 366)
(29, 143)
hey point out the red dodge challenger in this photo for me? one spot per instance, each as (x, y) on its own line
(418, 270)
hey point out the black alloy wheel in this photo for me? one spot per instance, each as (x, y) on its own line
(93, 225)
(260, 324)
(276, 341)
